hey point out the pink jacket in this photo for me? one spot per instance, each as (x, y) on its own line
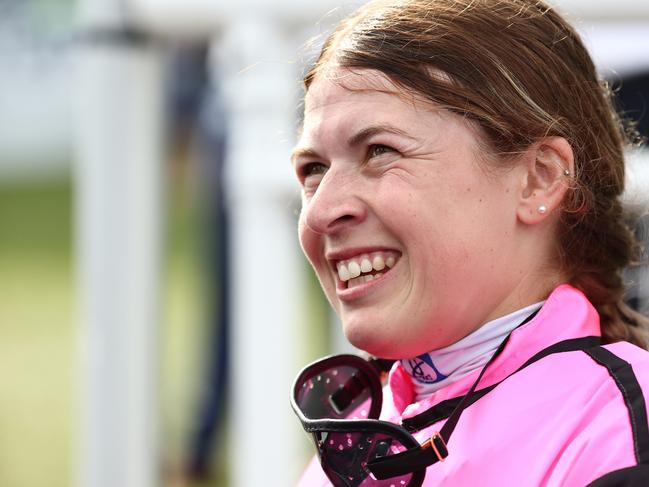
(562, 421)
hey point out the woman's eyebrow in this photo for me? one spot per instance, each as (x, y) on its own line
(373, 130)
(356, 139)
(304, 152)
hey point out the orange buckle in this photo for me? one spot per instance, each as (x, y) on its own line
(437, 443)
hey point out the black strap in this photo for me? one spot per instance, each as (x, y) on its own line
(635, 476)
(622, 373)
(620, 370)
(445, 408)
(419, 458)
(450, 424)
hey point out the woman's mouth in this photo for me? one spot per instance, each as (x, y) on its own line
(365, 268)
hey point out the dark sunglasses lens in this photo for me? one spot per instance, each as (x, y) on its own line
(345, 455)
(339, 392)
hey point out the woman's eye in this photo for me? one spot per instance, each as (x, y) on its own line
(311, 173)
(313, 169)
(377, 150)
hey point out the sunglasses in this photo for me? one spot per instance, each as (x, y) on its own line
(338, 401)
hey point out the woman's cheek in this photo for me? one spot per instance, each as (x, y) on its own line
(312, 249)
(309, 249)
(306, 238)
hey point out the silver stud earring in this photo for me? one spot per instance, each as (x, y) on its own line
(566, 172)
(543, 209)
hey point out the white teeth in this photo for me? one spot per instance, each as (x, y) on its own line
(354, 269)
(363, 266)
(343, 273)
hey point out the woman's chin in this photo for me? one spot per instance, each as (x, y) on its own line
(372, 341)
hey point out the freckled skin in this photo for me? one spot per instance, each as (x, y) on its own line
(419, 194)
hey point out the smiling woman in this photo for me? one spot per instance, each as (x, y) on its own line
(461, 168)
(408, 185)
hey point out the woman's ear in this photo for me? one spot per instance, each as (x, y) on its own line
(548, 171)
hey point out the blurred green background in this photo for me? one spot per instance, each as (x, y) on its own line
(38, 346)
(38, 333)
(38, 349)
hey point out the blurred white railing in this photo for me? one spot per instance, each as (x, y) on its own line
(118, 197)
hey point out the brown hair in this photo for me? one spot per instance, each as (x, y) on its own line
(520, 71)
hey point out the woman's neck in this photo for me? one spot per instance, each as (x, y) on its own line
(437, 369)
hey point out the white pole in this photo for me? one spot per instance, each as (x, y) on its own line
(118, 219)
(261, 90)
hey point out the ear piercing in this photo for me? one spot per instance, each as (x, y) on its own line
(542, 209)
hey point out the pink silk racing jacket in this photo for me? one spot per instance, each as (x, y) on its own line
(562, 421)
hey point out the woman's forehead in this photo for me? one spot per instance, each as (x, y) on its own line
(353, 102)
(335, 83)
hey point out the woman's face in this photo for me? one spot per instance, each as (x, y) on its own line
(394, 188)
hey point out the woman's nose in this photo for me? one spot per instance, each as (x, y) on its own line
(336, 204)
